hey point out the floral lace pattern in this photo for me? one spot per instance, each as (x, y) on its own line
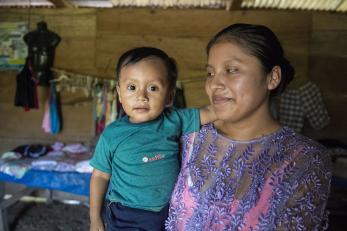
(277, 182)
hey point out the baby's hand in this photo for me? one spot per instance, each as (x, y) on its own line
(97, 225)
(207, 115)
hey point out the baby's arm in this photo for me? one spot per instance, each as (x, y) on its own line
(98, 186)
(207, 115)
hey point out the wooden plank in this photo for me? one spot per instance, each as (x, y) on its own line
(338, 124)
(22, 124)
(329, 21)
(188, 52)
(75, 53)
(193, 22)
(329, 72)
(62, 3)
(15, 122)
(194, 93)
(329, 43)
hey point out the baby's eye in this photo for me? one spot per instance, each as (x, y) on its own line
(131, 87)
(209, 74)
(152, 88)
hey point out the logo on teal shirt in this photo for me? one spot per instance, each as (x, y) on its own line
(147, 159)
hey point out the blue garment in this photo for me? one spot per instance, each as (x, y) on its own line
(54, 113)
(142, 158)
(121, 218)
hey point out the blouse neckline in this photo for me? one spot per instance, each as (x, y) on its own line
(279, 131)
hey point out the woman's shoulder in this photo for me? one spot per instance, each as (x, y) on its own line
(305, 150)
(301, 142)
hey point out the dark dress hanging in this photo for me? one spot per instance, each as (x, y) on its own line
(26, 94)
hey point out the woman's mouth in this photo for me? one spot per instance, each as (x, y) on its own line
(220, 100)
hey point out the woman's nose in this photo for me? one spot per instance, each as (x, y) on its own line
(217, 81)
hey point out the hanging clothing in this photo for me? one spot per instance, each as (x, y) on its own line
(46, 122)
(26, 93)
(303, 102)
(179, 100)
(54, 110)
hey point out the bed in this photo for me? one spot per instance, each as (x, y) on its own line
(67, 181)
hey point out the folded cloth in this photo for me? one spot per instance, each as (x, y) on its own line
(64, 167)
(35, 150)
(11, 155)
(55, 154)
(57, 146)
(75, 148)
(83, 166)
(47, 165)
(18, 171)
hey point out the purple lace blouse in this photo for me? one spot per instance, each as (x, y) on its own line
(280, 181)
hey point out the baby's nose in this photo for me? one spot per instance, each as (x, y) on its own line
(142, 95)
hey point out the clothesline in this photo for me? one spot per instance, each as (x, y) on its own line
(66, 74)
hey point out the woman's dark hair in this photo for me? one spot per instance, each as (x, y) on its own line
(262, 43)
(137, 54)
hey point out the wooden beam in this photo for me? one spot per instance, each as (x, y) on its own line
(62, 3)
(233, 4)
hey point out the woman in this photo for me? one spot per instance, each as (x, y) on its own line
(245, 171)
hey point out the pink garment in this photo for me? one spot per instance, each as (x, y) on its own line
(46, 123)
(277, 182)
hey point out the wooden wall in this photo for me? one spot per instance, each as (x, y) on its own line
(328, 68)
(92, 41)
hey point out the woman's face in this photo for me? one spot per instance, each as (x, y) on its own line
(236, 84)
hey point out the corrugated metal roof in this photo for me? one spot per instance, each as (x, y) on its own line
(321, 5)
(26, 3)
(324, 5)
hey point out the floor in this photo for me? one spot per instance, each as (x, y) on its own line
(54, 216)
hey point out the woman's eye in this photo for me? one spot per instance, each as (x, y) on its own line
(131, 87)
(231, 70)
(152, 88)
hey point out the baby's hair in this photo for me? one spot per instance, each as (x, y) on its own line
(137, 54)
(261, 43)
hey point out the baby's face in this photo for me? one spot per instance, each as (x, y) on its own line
(144, 89)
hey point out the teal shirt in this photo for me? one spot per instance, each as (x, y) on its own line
(142, 158)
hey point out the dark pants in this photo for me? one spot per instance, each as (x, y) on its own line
(120, 217)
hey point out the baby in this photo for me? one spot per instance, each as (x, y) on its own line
(136, 157)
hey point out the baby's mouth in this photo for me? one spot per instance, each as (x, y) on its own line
(141, 109)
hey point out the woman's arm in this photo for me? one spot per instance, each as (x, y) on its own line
(98, 186)
(207, 115)
(306, 207)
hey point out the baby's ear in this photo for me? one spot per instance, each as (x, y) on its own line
(274, 78)
(170, 98)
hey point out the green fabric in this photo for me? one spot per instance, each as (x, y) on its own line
(143, 158)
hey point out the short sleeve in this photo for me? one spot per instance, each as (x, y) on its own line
(190, 120)
(306, 207)
(102, 159)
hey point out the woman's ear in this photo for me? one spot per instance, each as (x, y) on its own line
(118, 92)
(274, 78)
